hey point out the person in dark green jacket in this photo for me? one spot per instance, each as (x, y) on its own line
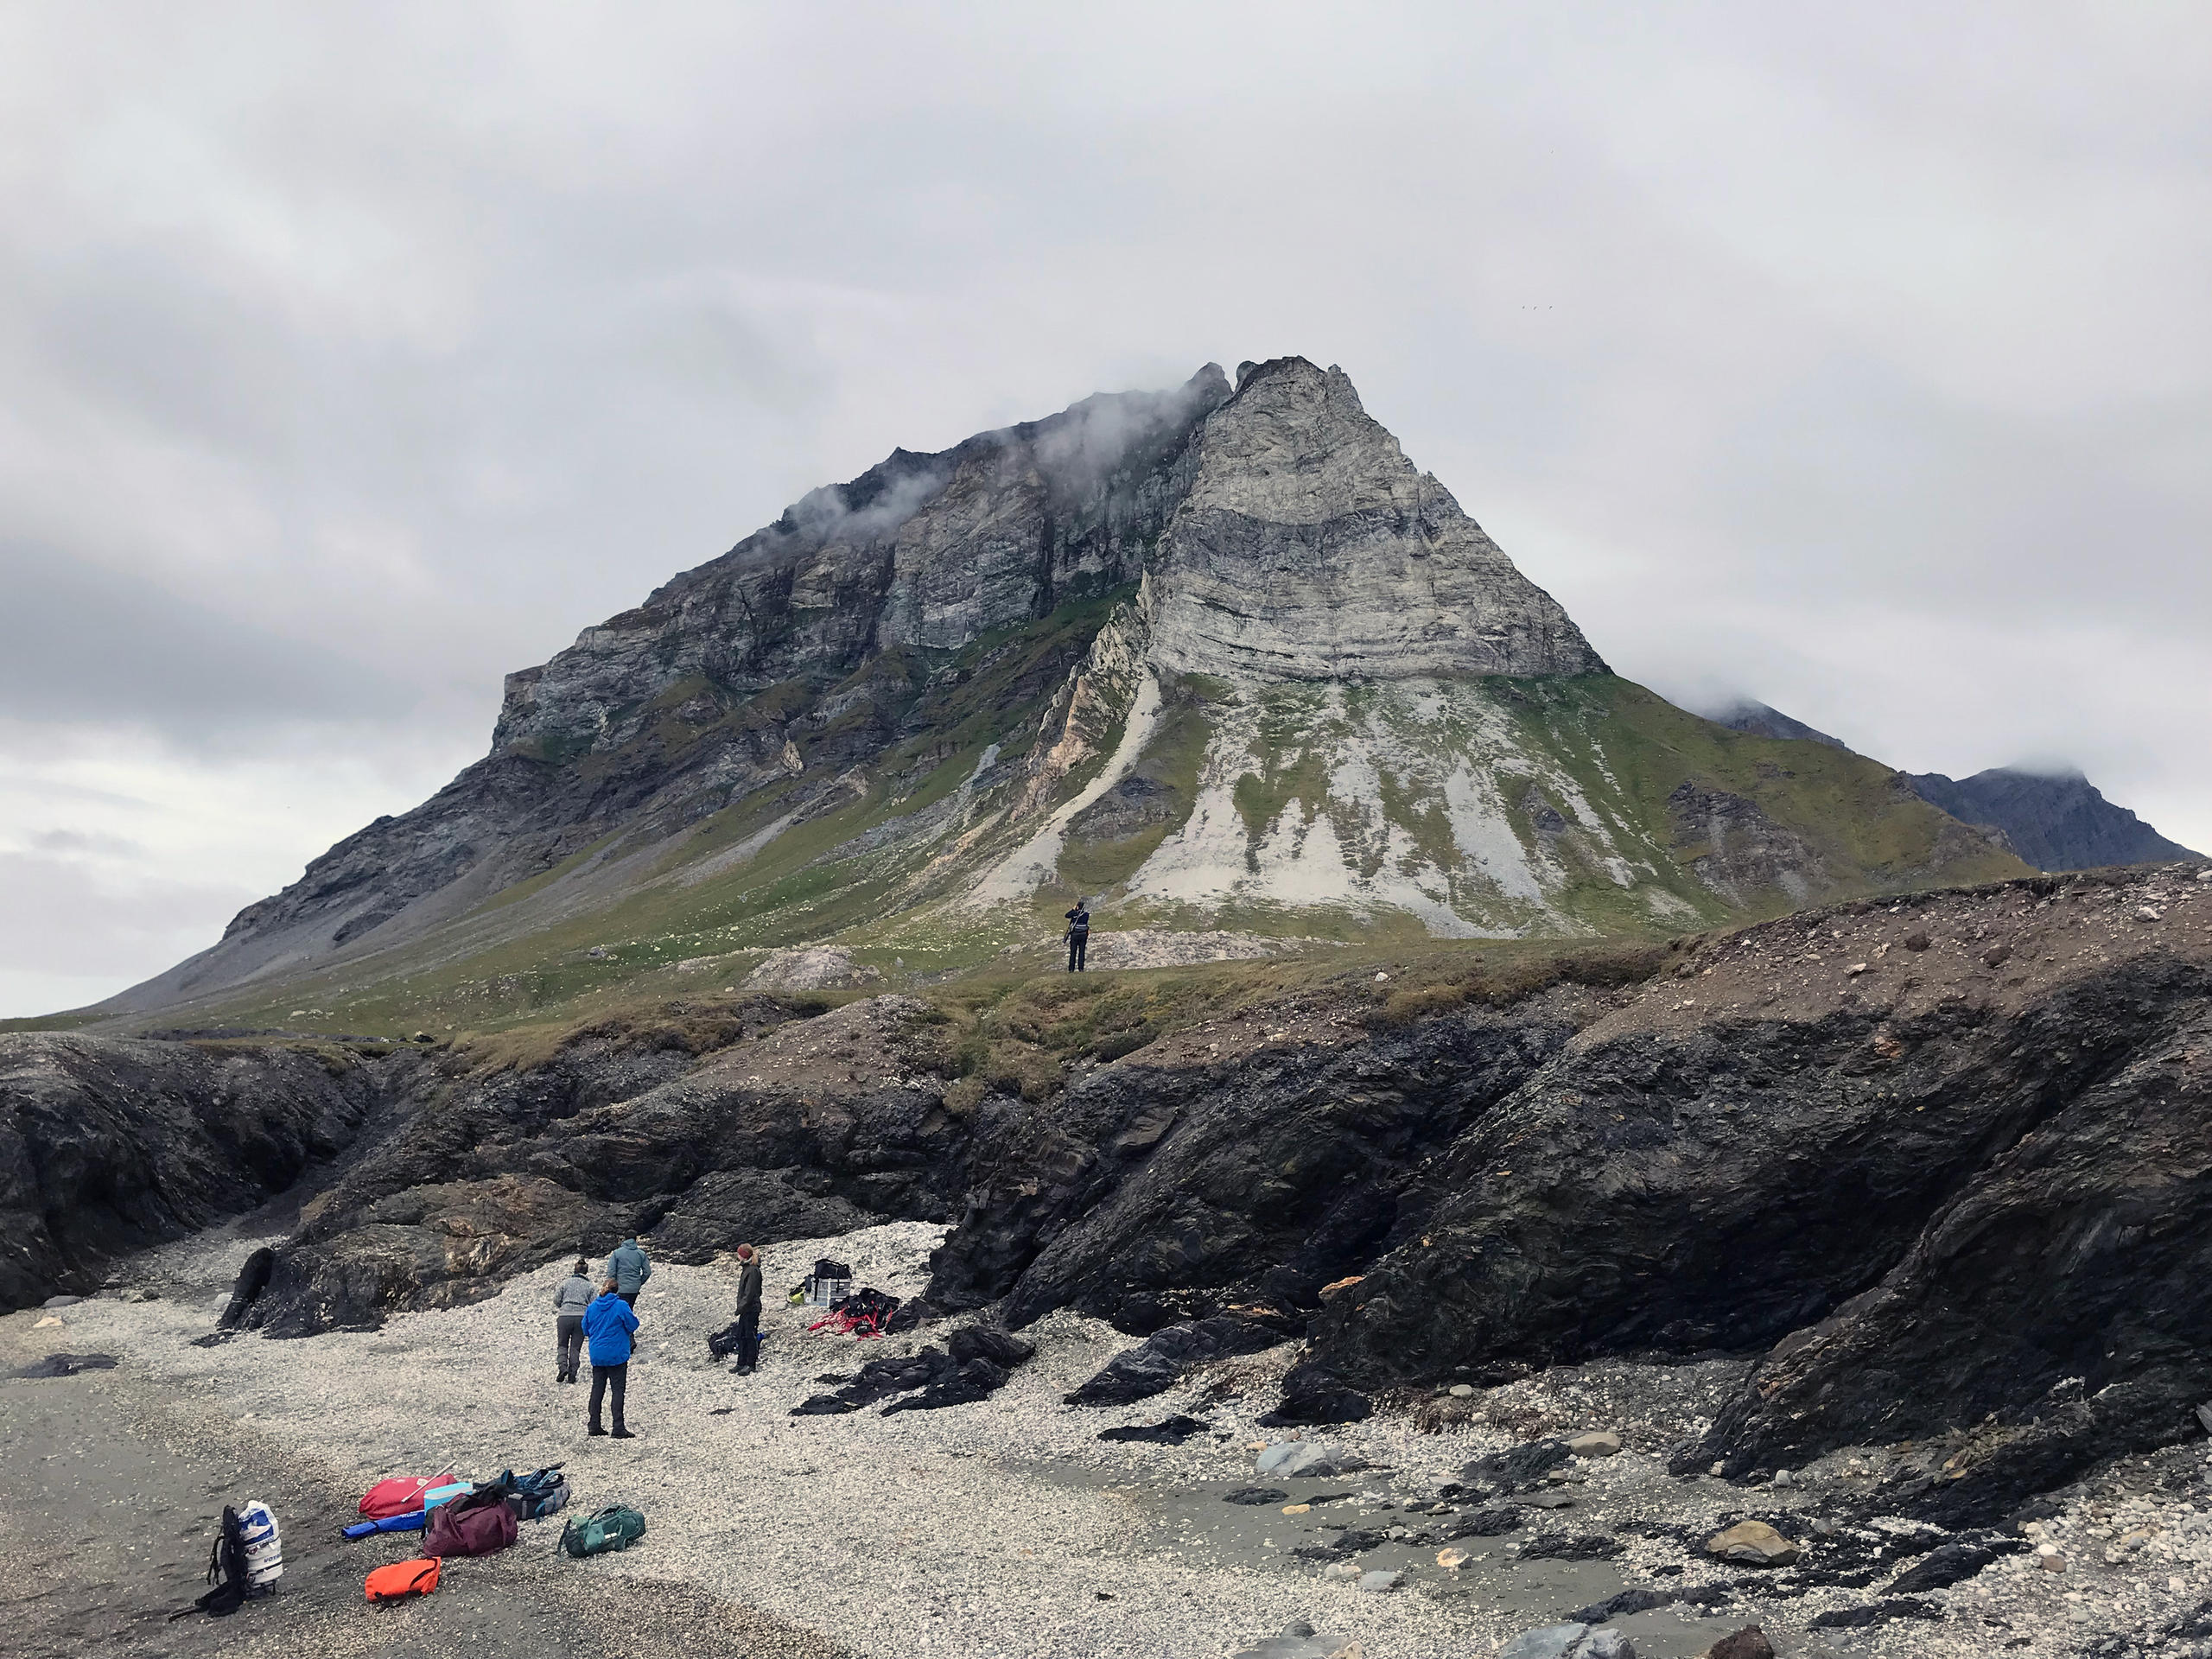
(748, 1310)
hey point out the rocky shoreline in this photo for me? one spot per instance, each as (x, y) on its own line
(1009, 1525)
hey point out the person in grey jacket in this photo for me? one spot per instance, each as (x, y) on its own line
(748, 1310)
(629, 1270)
(568, 1304)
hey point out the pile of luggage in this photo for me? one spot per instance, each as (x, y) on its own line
(455, 1517)
(863, 1313)
(479, 1518)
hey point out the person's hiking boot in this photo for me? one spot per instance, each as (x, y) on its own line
(624, 1434)
(596, 1429)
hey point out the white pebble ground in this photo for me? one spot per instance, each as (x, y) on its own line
(1006, 1527)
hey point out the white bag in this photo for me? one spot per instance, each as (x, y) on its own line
(265, 1546)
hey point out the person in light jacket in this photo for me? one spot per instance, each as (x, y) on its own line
(629, 1270)
(748, 1310)
(570, 1302)
(610, 1325)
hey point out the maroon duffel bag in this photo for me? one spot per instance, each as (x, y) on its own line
(475, 1523)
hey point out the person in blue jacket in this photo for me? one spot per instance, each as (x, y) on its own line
(609, 1326)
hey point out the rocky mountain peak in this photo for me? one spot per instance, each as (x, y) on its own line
(1309, 548)
(1223, 655)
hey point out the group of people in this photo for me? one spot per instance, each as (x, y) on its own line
(605, 1322)
(603, 1319)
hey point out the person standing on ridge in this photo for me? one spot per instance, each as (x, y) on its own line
(629, 1270)
(610, 1325)
(1078, 936)
(570, 1302)
(748, 1311)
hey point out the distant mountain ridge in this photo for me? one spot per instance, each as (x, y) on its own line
(1222, 657)
(2055, 823)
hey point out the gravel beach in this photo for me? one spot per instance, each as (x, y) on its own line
(1003, 1527)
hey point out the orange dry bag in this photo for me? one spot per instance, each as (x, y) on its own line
(403, 1579)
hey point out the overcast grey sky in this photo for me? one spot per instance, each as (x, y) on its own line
(1856, 358)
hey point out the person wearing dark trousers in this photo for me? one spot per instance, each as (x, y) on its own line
(608, 1325)
(1079, 935)
(748, 1311)
(629, 1270)
(570, 1302)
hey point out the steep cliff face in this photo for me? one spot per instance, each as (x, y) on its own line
(1309, 548)
(2055, 823)
(107, 1147)
(927, 552)
(1946, 1159)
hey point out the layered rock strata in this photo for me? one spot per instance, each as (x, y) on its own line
(1309, 548)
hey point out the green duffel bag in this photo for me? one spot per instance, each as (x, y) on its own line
(612, 1528)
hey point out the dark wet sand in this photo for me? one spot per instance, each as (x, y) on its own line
(108, 1506)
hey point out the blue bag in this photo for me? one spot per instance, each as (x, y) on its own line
(413, 1521)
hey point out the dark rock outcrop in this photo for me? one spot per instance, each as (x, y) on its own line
(2059, 1298)
(810, 1128)
(108, 1145)
(1182, 1181)
(1976, 1183)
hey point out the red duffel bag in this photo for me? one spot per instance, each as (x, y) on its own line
(477, 1523)
(401, 1494)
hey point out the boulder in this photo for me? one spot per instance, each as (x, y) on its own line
(1571, 1641)
(976, 1380)
(1634, 1600)
(1946, 1564)
(1549, 1642)
(1572, 1546)
(811, 968)
(1523, 1466)
(1290, 1459)
(1173, 1431)
(1749, 1642)
(1752, 1544)
(1598, 1443)
(1298, 1640)
(1165, 1357)
(988, 1341)
(1311, 1394)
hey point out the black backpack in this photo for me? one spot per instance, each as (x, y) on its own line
(226, 1572)
(534, 1496)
